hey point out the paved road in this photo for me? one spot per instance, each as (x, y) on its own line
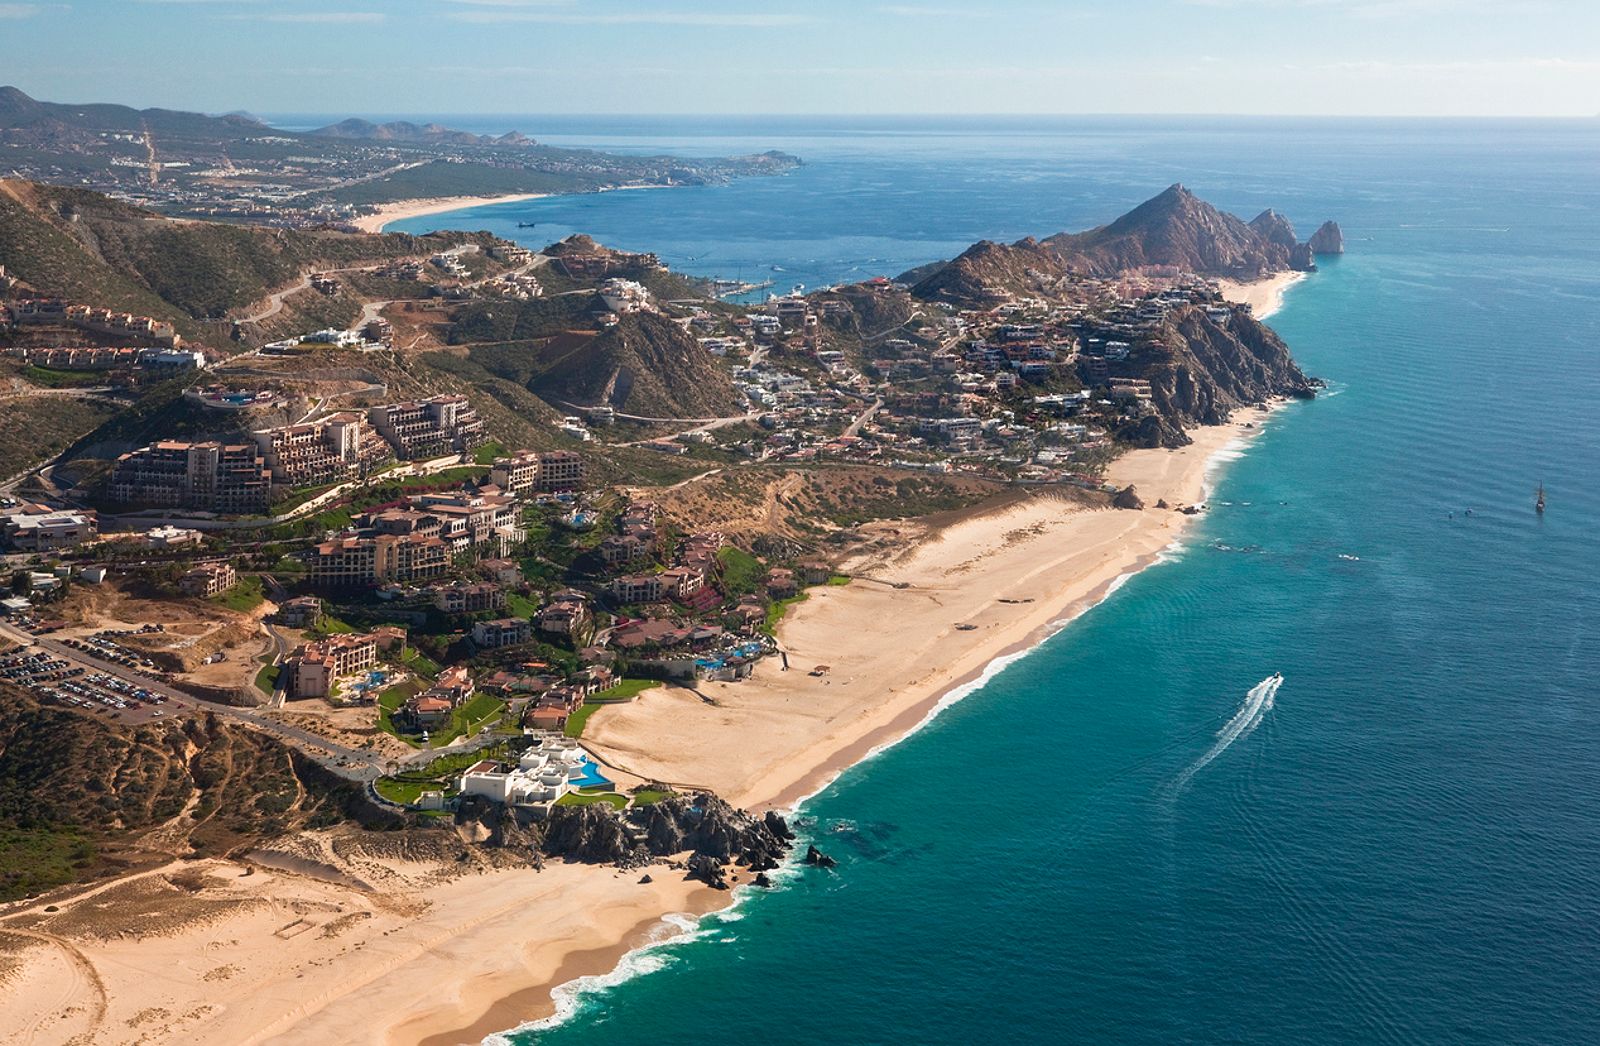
(356, 764)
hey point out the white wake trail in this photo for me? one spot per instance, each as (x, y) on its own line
(1257, 703)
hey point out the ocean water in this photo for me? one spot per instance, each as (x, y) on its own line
(1130, 835)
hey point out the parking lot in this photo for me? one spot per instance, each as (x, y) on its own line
(54, 679)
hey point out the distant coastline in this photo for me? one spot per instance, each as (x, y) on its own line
(389, 213)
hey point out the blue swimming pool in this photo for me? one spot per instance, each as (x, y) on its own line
(590, 777)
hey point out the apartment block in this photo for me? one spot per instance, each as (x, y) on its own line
(429, 428)
(213, 477)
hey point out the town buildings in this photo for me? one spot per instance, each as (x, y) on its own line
(333, 448)
(530, 471)
(364, 561)
(39, 528)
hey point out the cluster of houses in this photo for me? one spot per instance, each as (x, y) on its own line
(54, 312)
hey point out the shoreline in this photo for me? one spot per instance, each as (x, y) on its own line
(401, 210)
(389, 213)
(466, 957)
(1265, 296)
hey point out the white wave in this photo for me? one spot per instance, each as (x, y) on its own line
(1257, 703)
(675, 928)
(1346, 555)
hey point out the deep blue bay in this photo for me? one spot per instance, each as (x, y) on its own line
(1404, 845)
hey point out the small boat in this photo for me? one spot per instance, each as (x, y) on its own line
(1538, 506)
(527, 225)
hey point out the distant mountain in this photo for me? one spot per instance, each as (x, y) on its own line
(1175, 230)
(405, 131)
(18, 112)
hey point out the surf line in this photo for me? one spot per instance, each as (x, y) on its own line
(1257, 703)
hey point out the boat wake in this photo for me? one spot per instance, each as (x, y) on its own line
(1257, 703)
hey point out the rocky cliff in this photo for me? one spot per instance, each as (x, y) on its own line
(1329, 239)
(701, 824)
(1175, 230)
(1202, 369)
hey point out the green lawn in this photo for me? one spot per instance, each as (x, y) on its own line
(267, 679)
(519, 605)
(586, 798)
(776, 611)
(579, 719)
(626, 690)
(419, 662)
(243, 597)
(332, 626)
(486, 454)
(741, 572)
(389, 702)
(649, 796)
(397, 790)
(63, 379)
(839, 579)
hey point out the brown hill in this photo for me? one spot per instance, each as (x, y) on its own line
(1176, 229)
(646, 366)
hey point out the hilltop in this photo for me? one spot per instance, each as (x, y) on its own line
(1175, 231)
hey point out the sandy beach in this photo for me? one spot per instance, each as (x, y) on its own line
(394, 212)
(1264, 297)
(1014, 575)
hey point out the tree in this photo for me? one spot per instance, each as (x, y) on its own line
(21, 583)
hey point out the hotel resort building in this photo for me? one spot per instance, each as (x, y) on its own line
(531, 471)
(358, 561)
(337, 447)
(312, 670)
(212, 477)
(431, 427)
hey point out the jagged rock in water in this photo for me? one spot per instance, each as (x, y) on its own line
(761, 880)
(778, 826)
(1328, 240)
(818, 858)
(708, 870)
(1127, 498)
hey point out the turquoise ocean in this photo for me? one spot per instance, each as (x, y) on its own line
(1122, 836)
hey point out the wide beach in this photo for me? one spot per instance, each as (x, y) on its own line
(459, 956)
(389, 213)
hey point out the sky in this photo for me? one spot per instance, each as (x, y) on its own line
(379, 57)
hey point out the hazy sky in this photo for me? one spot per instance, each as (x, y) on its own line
(1500, 57)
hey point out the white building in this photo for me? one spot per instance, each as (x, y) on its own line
(543, 774)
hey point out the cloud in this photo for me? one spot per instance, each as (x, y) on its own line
(498, 11)
(23, 10)
(316, 17)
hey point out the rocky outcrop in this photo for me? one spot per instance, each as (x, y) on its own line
(713, 830)
(1127, 498)
(1274, 228)
(819, 859)
(1328, 240)
(1202, 368)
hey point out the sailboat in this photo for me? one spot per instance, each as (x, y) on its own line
(1538, 506)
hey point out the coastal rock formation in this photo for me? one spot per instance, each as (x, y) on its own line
(1328, 240)
(1180, 230)
(708, 870)
(818, 858)
(1175, 230)
(703, 823)
(1201, 369)
(1127, 498)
